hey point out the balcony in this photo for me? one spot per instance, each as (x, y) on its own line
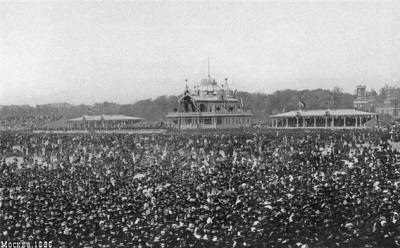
(209, 114)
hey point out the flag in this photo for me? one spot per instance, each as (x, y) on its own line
(90, 109)
(234, 93)
(302, 105)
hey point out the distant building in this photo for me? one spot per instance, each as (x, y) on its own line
(391, 105)
(364, 100)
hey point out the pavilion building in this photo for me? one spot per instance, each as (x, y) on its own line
(103, 122)
(324, 118)
(210, 105)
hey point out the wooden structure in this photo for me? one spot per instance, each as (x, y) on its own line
(324, 118)
(103, 122)
(209, 105)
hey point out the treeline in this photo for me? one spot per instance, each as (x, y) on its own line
(262, 105)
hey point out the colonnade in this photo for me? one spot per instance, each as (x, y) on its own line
(101, 124)
(212, 122)
(321, 121)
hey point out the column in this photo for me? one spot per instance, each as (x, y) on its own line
(326, 121)
(315, 122)
(297, 121)
(344, 121)
(356, 121)
(304, 122)
(287, 122)
(332, 121)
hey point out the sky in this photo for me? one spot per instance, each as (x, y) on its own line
(124, 51)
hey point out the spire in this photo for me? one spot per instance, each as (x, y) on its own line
(209, 67)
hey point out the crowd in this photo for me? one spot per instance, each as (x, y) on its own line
(27, 122)
(126, 126)
(249, 189)
(55, 122)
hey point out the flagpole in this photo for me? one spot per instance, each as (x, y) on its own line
(329, 101)
(209, 67)
(298, 104)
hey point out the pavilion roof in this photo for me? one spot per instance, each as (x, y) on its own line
(210, 98)
(323, 112)
(214, 98)
(105, 118)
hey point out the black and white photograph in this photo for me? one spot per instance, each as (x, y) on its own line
(199, 123)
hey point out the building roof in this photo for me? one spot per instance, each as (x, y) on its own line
(210, 91)
(323, 112)
(210, 98)
(214, 98)
(209, 114)
(105, 118)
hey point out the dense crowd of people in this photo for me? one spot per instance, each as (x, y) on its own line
(59, 123)
(249, 189)
(27, 122)
(126, 126)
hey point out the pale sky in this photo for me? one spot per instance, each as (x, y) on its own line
(95, 51)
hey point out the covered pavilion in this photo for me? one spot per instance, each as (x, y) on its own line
(103, 122)
(324, 118)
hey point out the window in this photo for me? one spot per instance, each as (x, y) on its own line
(202, 108)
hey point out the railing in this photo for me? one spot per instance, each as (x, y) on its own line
(222, 113)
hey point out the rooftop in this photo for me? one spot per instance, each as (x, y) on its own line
(106, 118)
(209, 114)
(323, 112)
(213, 98)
